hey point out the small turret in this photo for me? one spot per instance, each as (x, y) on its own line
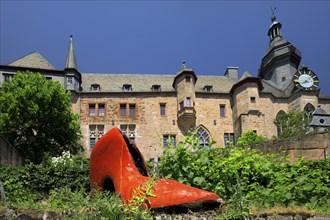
(184, 84)
(72, 74)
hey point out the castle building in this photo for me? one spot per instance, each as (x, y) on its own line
(154, 109)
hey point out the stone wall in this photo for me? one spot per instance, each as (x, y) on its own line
(8, 154)
(310, 146)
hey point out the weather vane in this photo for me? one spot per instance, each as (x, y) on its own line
(273, 13)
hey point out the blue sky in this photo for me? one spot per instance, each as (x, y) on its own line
(153, 37)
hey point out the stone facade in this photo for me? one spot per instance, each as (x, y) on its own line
(152, 109)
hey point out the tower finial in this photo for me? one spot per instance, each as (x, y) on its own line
(184, 64)
(273, 14)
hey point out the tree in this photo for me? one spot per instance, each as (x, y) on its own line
(291, 124)
(36, 117)
(249, 138)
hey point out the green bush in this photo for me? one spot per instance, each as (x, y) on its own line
(28, 183)
(245, 177)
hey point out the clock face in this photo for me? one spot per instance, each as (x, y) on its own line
(305, 79)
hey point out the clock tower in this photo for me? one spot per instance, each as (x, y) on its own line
(281, 60)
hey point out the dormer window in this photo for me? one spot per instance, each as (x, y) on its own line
(127, 88)
(155, 88)
(95, 87)
(208, 88)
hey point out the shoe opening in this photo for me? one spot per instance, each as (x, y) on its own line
(137, 157)
(108, 185)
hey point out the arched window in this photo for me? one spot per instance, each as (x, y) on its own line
(309, 109)
(203, 137)
(279, 122)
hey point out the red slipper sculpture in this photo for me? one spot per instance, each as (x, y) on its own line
(118, 166)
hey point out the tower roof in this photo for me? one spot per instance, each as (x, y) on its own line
(71, 62)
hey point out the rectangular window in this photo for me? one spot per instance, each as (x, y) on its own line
(8, 77)
(95, 133)
(167, 139)
(162, 108)
(181, 105)
(253, 99)
(131, 110)
(49, 78)
(92, 142)
(187, 78)
(101, 109)
(91, 109)
(188, 102)
(222, 110)
(69, 80)
(229, 138)
(123, 109)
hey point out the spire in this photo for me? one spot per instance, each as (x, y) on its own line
(71, 58)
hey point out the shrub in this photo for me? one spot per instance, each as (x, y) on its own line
(244, 177)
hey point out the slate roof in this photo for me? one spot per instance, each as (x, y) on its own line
(143, 82)
(267, 88)
(33, 60)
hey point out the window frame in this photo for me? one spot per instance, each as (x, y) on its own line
(229, 138)
(69, 80)
(172, 137)
(132, 109)
(123, 109)
(89, 109)
(100, 107)
(222, 110)
(188, 102)
(162, 109)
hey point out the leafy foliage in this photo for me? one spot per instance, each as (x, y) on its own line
(291, 124)
(30, 183)
(249, 138)
(245, 178)
(36, 117)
